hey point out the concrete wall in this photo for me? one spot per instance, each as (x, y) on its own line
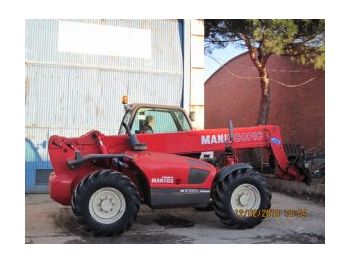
(194, 70)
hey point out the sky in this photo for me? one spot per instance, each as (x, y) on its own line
(221, 55)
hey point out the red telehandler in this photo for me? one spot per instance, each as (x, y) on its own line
(106, 178)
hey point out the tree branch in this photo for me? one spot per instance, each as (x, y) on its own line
(221, 41)
(305, 41)
(252, 52)
(264, 60)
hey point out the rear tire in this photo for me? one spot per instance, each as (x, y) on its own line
(105, 203)
(241, 198)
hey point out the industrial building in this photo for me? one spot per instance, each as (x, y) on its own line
(78, 70)
(297, 98)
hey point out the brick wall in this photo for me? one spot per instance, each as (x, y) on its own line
(299, 111)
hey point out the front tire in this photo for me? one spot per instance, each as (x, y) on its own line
(105, 203)
(241, 198)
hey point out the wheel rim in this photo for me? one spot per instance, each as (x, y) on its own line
(245, 196)
(107, 205)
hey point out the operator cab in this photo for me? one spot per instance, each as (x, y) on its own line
(148, 118)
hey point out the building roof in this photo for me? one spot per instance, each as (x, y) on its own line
(229, 61)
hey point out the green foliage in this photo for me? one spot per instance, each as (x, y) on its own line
(301, 39)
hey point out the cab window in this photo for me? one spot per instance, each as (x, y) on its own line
(155, 120)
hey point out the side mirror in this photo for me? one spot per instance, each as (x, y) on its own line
(192, 116)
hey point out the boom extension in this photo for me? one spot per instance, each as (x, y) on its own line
(191, 142)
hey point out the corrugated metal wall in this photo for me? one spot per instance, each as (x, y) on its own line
(69, 93)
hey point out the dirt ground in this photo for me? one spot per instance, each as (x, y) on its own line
(49, 222)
